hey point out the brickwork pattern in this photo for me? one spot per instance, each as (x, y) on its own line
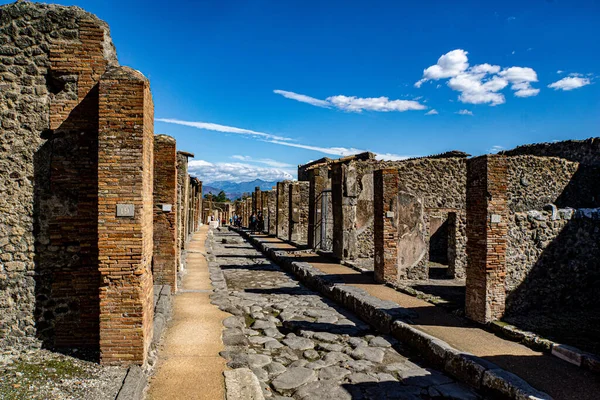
(164, 266)
(52, 58)
(386, 232)
(487, 222)
(125, 164)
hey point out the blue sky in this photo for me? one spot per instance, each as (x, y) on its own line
(512, 72)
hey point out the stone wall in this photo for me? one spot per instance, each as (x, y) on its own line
(552, 252)
(586, 152)
(525, 253)
(272, 208)
(52, 58)
(439, 184)
(298, 212)
(183, 195)
(164, 263)
(283, 210)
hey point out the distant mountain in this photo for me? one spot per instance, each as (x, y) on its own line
(235, 190)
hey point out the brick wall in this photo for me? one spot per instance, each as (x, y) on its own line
(52, 59)
(386, 231)
(164, 266)
(487, 217)
(183, 196)
(125, 164)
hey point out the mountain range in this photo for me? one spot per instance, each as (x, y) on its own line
(235, 190)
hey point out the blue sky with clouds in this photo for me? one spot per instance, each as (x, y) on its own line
(254, 88)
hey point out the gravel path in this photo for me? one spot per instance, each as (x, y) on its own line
(301, 345)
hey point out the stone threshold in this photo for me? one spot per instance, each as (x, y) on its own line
(567, 353)
(388, 317)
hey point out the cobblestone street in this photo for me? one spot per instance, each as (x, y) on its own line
(301, 345)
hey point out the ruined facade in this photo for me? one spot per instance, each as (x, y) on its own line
(426, 205)
(77, 215)
(320, 212)
(166, 252)
(298, 212)
(283, 210)
(532, 233)
(352, 204)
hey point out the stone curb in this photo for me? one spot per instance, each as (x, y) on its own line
(134, 384)
(567, 353)
(387, 316)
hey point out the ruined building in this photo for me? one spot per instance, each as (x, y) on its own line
(519, 230)
(90, 200)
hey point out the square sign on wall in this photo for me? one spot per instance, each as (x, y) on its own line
(125, 210)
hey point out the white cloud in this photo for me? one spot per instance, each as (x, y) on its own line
(482, 83)
(356, 104)
(382, 104)
(570, 83)
(266, 137)
(464, 112)
(560, 71)
(336, 151)
(432, 112)
(496, 149)
(265, 161)
(449, 65)
(303, 98)
(209, 126)
(391, 157)
(236, 172)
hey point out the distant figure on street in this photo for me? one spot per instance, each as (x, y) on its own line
(253, 222)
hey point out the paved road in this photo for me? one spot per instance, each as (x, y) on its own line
(300, 345)
(547, 373)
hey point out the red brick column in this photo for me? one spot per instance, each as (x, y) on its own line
(385, 233)
(487, 214)
(125, 164)
(165, 212)
(257, 199)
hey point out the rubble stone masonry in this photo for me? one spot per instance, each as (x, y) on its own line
(51, 59)
(298, 212)
(283, 209)
(164, 265)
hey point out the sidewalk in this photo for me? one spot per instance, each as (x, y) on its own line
(190, 366)
(549, 374)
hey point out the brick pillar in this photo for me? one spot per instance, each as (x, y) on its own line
(125, 202)
(385, 186)
(164, 268)
(257, 199)
(283, 199)
(318, 182)
(487, 215)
